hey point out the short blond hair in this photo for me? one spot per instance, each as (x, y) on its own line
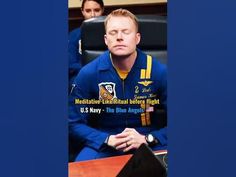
(121, 13)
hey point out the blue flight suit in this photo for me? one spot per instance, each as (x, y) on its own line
(99, 80)
(74, 54)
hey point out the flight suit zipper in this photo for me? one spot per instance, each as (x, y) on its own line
(123, 92)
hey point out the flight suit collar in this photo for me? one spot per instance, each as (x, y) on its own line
(106, 64)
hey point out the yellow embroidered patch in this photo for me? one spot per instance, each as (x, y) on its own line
(145, 83)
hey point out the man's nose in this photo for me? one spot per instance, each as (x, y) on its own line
(119, 35)
(93, 14)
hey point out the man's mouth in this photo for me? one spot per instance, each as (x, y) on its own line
(119, 46)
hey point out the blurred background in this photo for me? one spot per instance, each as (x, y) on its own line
(140, 7)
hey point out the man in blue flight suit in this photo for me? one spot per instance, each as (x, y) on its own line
(120, 90)
(89, 9)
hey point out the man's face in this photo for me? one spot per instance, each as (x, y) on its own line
(121, 36)
(91, 9)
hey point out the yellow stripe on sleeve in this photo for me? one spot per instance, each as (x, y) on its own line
(143, 119)
(142, 74)
(149, 67)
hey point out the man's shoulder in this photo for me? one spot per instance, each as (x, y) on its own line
(158, 68)
(93, 66)
(75, 33)
(76, 30)
(155, 61)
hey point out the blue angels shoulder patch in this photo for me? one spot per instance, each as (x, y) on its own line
(107, 90)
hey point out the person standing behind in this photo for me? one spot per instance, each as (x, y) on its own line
(123, 72)
(89, 9)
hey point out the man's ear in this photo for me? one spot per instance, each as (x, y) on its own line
(138, 38)
(105, 39)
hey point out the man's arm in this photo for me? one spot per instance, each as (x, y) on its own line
(73, 50)
(161, 134)
(78, 121)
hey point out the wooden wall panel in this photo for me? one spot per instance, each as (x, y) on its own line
(77, 3)
(76, 18)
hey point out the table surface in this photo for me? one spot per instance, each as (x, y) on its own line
(105, 167)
